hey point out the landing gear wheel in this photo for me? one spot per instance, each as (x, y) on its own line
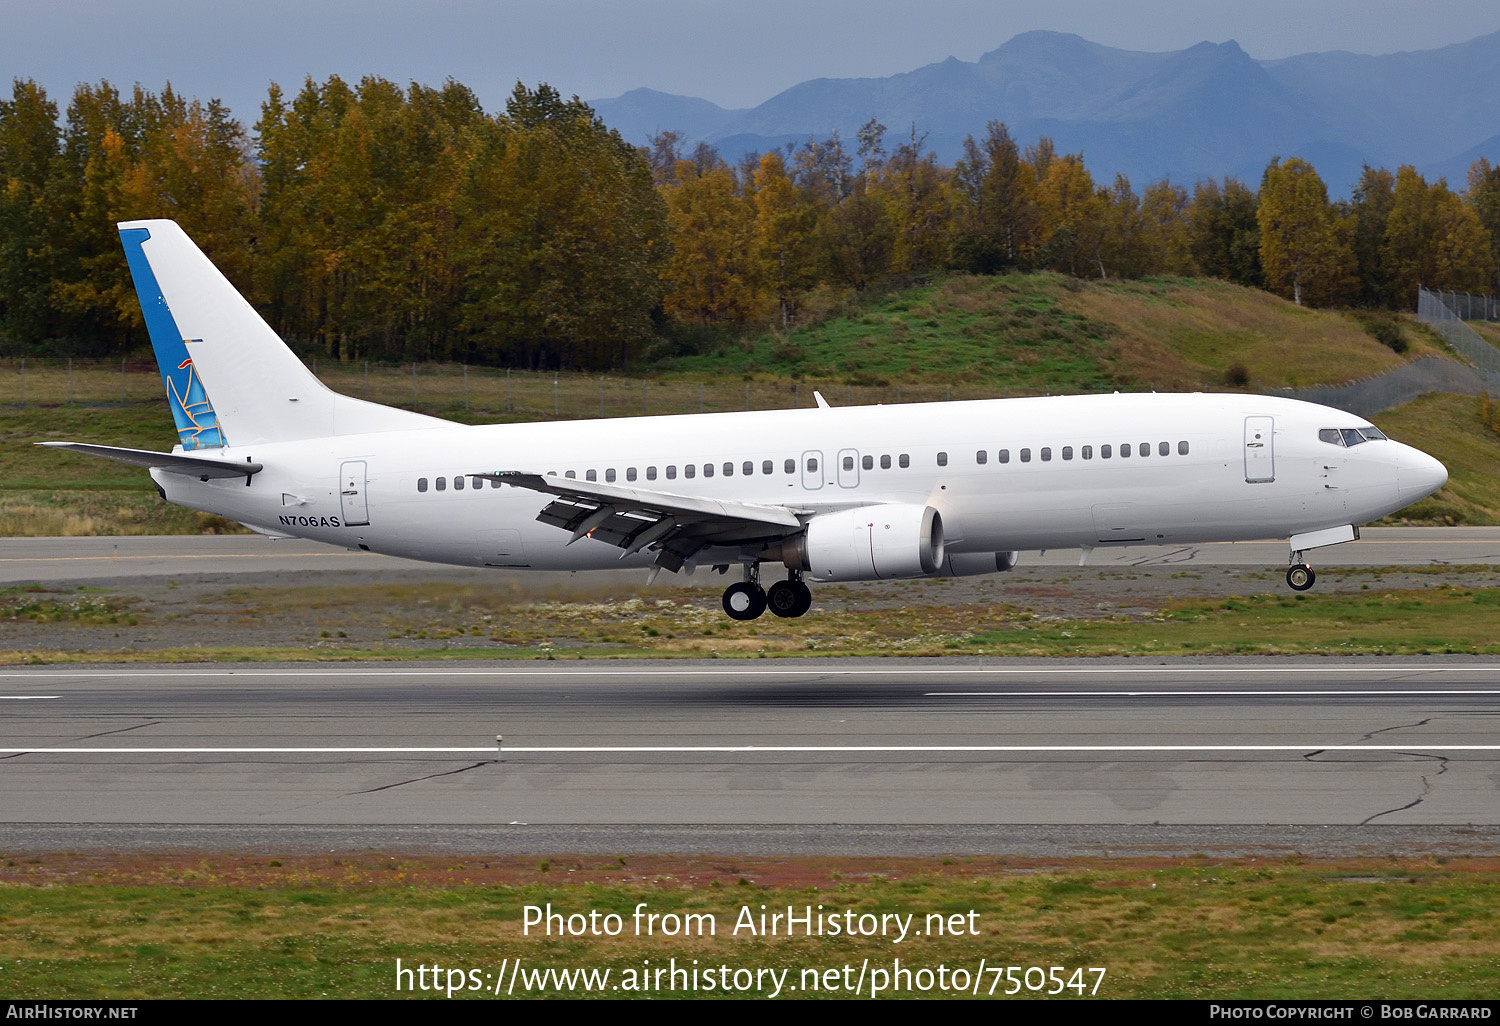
(804, 598)
(789, 598)
(744, 601)
(1300, 577)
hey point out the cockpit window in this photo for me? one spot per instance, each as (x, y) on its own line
(1350, 436)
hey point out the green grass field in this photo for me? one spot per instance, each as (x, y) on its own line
(243, 927)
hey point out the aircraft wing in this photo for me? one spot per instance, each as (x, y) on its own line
(173, 462)
(635, 518)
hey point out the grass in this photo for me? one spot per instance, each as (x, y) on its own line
(1183, 334)
(244, 927)
(1005, 334)
(469, 624)
(1449, 427)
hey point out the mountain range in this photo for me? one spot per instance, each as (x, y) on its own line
(1206, 111)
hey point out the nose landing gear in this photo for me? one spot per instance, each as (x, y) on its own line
(1300, 576)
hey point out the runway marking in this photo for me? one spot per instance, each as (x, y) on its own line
(1205, 694)
(26, 698)
(167, 672)
(747, 749)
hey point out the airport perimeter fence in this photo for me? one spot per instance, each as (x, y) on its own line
(478, 393)
(1367, 397)
(1433, 310)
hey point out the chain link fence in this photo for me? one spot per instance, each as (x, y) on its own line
(1433, 310)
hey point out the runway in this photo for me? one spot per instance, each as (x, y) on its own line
(779, 757)
(113, 558)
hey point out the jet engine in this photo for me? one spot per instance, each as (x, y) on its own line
(869, 543)
(974, 564)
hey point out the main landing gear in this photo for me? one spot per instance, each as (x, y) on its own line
(747, 599)
(1300, 576)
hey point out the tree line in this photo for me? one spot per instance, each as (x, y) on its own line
(373, 222)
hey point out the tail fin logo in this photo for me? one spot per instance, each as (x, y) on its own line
(191, 407)
(197, 424)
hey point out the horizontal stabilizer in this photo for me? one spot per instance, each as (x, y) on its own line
(171, 462)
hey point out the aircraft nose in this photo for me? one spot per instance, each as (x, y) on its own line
(1418, 474)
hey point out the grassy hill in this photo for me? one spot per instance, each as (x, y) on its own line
(962, 336)
(1039, 333)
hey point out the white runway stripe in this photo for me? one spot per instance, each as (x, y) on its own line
(746, 749)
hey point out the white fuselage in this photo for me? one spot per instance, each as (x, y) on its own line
(1195, 472)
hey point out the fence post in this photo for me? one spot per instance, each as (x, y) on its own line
(509, 408)
(23, 382)
(601, 395)
(122, 381)
(70, 381)
(466, 386)
(367, 379)
(797, 396)
(747, 398)
(414, 381)
(556, 406)
(700, 397)
(643, 397)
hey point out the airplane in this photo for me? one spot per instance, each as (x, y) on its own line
(862, 493)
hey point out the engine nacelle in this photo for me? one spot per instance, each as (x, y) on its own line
(870, 543)
(974, 564)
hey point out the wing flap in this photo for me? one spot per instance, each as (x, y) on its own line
(675, 526)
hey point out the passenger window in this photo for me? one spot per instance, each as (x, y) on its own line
(885, 462)
(1004, 455)
(689, 471)
(591, 475)
(766, 467)
(1046, 454)
(708, 470)
(812, 464)
(1163, 448)
(609, 475)
(1067, 452)
(650, 473)
(1104, 452)
(1144, 448)
(905, 461)
(630, 473)
(422, 484)
(942, 459)
(566, 473)
(1025, 455)
(671, 473)
(1124, 450)
(1182, 448)
(747, 468)
(981, 457)
(790, 466)
(867, 462)
(458, 483)
(1088, 452)
(848, 462)
(494, 482)
(442, 484)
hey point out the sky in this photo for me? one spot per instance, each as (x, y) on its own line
(736, 54)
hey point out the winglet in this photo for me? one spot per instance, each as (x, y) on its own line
(822, 403)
